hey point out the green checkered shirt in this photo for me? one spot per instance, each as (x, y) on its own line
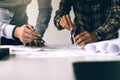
(99, 16)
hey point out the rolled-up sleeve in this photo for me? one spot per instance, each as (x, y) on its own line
(6, 30)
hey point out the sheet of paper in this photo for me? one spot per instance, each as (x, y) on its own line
(52, 51)
(22, 48)
(46, 54)
(57, 51)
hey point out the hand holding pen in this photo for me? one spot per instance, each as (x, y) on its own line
(26, 34)
(38, 42)
(66, 23)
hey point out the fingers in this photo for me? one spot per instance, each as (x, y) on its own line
(26, 33)
(32, 31)
(30, 27)
(66, 22)
(84, 38)
(36, 43)
(69, 22)
(29, 34)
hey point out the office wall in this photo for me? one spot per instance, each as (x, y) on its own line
(52, 35)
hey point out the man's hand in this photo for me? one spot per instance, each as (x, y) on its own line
(36, 43)
(26, 33)
(66, 22)
(85, 37)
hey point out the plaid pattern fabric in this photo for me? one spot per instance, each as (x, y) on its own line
(99, 16)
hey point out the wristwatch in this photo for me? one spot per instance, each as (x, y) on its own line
(99, 36)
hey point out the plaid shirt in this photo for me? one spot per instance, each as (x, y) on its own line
(99, 16)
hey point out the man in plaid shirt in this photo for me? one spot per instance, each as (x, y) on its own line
(95, 20)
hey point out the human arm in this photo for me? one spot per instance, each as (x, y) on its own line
(112, 25)
(64, 9)
(66, 23)
(23, 33)
(6, 28)
(26, 33)
(28, 36)
(84, 38)
(44, 15)
(12, 31)
(107, 30)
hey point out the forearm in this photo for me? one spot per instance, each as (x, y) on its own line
(45, 10)
(43, 21)
(112, 25)
(64, 8)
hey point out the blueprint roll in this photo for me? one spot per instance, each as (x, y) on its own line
(113, 48)
(91, 48)
(103, 47)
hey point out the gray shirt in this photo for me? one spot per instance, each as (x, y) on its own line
(10, 3)
(12, 14)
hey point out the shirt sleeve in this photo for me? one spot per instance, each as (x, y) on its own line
(6, 30)
(112, 25)
(44, 15)
(64, 8)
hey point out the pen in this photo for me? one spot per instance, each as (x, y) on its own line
(71, 38)
(39, 38)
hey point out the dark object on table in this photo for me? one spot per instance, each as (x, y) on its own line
(6, 41)
(4, 52)
(72, 36)
(106, 70)
(41, 43)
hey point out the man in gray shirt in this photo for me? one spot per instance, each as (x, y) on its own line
(14, 21)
